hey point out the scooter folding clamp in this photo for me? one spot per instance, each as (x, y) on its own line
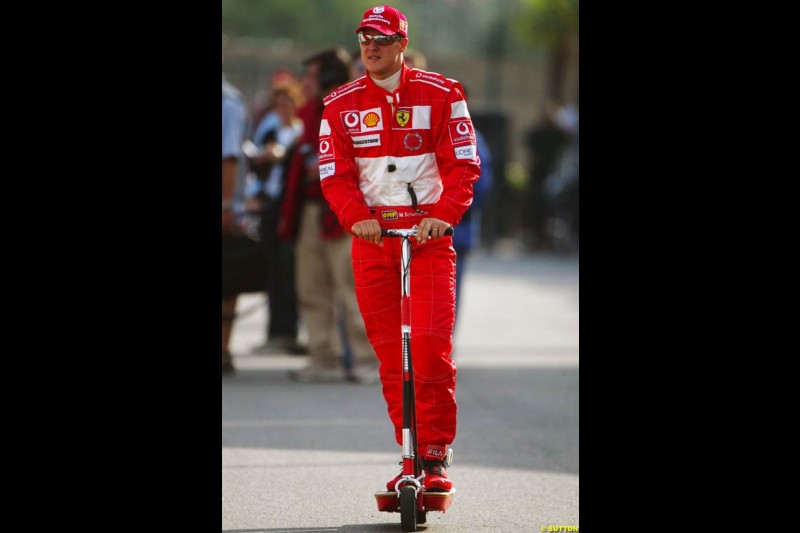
(418, 486)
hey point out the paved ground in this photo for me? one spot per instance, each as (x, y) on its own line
(308, 457)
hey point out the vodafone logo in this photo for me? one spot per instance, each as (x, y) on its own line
(351, 119)
(325, 150)
(427, 77)
(461, 132)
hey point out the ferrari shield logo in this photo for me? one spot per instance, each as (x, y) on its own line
(402, 117)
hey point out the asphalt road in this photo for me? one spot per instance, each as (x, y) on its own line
(309, 457)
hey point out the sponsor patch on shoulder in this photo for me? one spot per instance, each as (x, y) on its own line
(389, 215)
(325, 149)
(425, 75)
(327, 170)
(461, 131)
(465, 152)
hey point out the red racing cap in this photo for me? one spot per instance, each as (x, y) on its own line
(386, 20)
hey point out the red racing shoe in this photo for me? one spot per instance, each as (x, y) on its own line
(435, 458)
(391, 485)
(436, 476)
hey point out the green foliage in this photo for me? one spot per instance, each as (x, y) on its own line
(314, 23)
(512, 28)
(546, 22)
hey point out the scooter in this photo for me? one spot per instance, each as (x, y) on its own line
(409, 497)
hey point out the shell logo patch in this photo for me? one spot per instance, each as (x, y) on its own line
(389, 215)
(402, 117)
(371, 119)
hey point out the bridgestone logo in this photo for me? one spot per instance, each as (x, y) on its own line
(367, 140)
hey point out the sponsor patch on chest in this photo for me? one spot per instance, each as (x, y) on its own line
(412, 141)
(368, 120)
(363, 141)
(402, 117)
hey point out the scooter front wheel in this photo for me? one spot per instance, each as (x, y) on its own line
(408, 508)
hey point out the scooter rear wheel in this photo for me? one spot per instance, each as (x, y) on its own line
(408, 508)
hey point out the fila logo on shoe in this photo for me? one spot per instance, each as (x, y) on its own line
(434, 451)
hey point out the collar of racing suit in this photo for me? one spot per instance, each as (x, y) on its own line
(378, 90)
(391, 83)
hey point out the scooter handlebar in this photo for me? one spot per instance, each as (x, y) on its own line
(412, 232)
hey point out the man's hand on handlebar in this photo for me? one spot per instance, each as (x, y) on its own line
(431, 228)
(368, 230)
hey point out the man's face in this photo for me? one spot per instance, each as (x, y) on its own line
(381, 61)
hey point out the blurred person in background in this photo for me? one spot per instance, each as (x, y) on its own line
(263, 102)
(545, 143)
(234, 128)
(467, 233)
(562, 186)
(271, 150)
(415, 59)
(357, 68)
(397, 149)
(322, 247)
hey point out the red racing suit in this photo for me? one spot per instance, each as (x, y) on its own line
(399, 157)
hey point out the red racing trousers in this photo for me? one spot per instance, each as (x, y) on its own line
(376, 269)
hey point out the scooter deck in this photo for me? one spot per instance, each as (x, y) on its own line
(431, 501)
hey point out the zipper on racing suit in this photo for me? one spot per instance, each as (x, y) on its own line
(391, 148)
